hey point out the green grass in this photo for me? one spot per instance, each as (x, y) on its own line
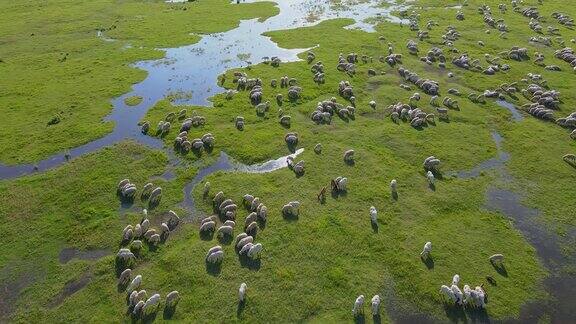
(312, 268)
(133, 101)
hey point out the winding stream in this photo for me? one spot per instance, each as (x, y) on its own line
(190, 72)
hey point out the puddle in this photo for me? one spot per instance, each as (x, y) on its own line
(497, 163)
(10, 292)
(194, 69)
(225, 163)
(69, 289)
(516, 115)
(67, 254)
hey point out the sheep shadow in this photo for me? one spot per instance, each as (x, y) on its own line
(338, 193)
(261, 223)
(213, 269)
(501, 269)
(291, 147)
(377, 319)
(153, 204)
(374, 227)
(290, 217)
(207, 235)
(428, 262)
(360, 319)
(455, 313)
(120, 266)
(240, 308)
(251, 264)
(150, 318)
(225, 239)
(168, 312)
(432, 186)
(350, 162)
(395, 195)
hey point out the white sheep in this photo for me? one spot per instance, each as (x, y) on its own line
(457, 293)
(215, 257)
(480, 295)
(358, 305)
(208, 226)
(213, 250)
(154, 239)
(255, 251)
(244, 241)
(425, 254)
(394, 186)
(230, 223)
(252, 217)
(151, 305)
(138, 308)
(225, 230)
(149, 233)
(430, 177)
(373, 214)
(448, 293)
(136, 245)
(242, 292)
(137, 230)
(134, 284)
(239, 237)
(375, 305)
(145, 225)
(496, 259)
(125, 277)
(455, 280)
(172, 299)
(245, 248)
(252, 228)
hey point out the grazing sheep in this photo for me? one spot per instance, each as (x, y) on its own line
(138, 308)
(147, 189)
(448, 293)
(127, 233)
(375, 305)
(394, 186)
(358, 306)
(245, 248)
(145, 224)
(242, 293)
(431, 164)
(154, 239)
(247, 239)
(213, 250)
(496, 259)
(208, 226)
(212, 218)
(255, 251)
(455, 280)
(172, 299)
(239, 237)
(318, 148)
(156, 195)
(291, 209)
(349, 156)
(136, 245)
(151, 305)
(430, 177)
(125, 255)
(134, 284)
(373, 215)
(291, 139)
(458, 294)
(225, 230)
(125, 277)
(425, 254)
(570, 159)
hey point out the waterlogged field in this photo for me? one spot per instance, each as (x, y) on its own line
(502, 187)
